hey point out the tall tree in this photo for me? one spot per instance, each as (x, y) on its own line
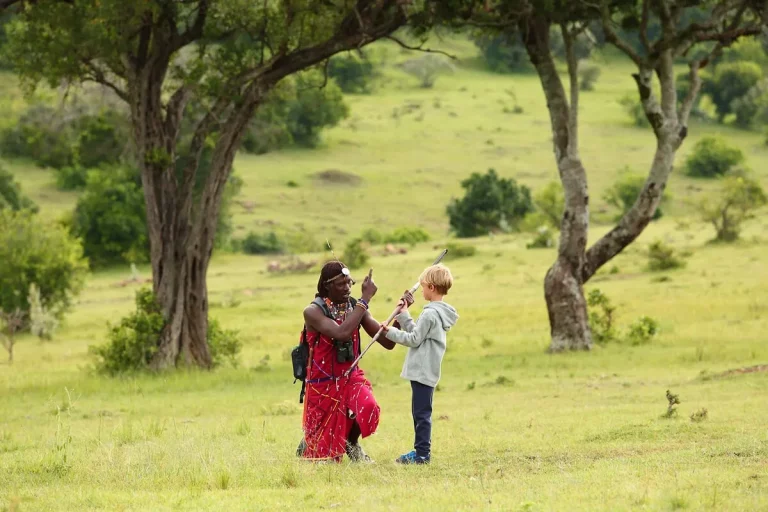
(680, 33)
(205, 62)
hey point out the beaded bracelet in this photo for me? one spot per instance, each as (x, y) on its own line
(362, 303)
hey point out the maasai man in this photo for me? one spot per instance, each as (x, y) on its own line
(338, 410)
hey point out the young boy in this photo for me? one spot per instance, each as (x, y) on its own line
(426, 341)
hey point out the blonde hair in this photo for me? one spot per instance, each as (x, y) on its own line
(438, 276)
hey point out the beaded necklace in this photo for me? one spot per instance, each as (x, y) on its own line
(338, 311)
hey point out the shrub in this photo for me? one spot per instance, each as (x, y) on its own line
(355, 254)
(372, 236)
(43, 254)
(406, 235)
(133, 342)
(550, 202)
(504, 52)
(489, 204)
(256, 243)
(456, 251)
(110, 218)
(634, 109)
(71, 177)
(642, 331)
(752, 108)
(543, 240)
(623, 194)
(428, 68)
(588, 75)
(601, 317)
(662, 257)
(731, 81)
(11, 197)
(712, 157)
(736, 201)
(351, 73)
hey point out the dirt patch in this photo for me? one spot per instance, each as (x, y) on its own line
(737, 371)
(337, 177)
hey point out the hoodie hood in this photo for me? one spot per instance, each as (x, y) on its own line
(446, 312)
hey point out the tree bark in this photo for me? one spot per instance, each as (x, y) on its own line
(567, 308)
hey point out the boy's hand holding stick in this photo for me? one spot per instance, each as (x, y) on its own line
(402, 304)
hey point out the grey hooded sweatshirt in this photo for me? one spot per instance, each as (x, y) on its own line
(426, 341)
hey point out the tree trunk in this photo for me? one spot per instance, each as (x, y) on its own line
(568, 321)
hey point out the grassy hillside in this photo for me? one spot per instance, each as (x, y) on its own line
(514, 427)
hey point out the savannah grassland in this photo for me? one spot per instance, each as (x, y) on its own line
(514, 427)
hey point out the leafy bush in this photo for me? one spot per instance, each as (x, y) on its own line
(373, 236)
(355, 254)
(731, 81)
(110, 218)
(543, 240)
(623, 194)
(406, 235)
(601, 317)
(634, 109)
(71, 177)
(267, 243)
(712, 157)
(642, 331)
(752, 109)
(34, 252)
(489, 204)
(504, 52)
(11, 197)
(43, 323)
(428, 68)
(353, 74)
(582, 48)
(456, 251)
(133, 342)
(588, 76)
(67, 137)
(295, 113)
(736, 201)
(550, 202)
(662, 257)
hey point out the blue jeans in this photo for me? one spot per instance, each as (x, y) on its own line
(421, 408)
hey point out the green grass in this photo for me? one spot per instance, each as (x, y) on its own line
(514, 427)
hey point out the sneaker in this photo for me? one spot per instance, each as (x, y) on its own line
(356, 453)
(412, 458)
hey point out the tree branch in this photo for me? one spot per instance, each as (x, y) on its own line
(690, 98)
(644, 28)
(420, 48)
(573, 76)
(196, 31)
(614, 39)
(98, 76)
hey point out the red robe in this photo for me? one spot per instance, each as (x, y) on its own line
(333, 403)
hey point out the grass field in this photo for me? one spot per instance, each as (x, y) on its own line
(515, 428)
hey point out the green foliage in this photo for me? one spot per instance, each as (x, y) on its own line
(490, 203)
(258, 243)
(352, 74)
(224, 344)
(623, 194)
(731, 81)
(712, 157)
(503, 53)
(428, 68)
(543, 240)
(11, 197)
(295, 112)
(406, 235)
(634, 110)
(588, 75)
(601, 321)
(71, 177)
(456, 251)
(582, 48)
(550, 202)
(134, 340)
(110, 218)
(751, 110)
(355, 254)
(68, 137)
(736, 201)
(642, 331)
(34, 252)
(662, 257)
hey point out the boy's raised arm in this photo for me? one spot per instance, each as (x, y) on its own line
(415, 337)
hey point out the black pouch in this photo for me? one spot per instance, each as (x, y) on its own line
(345, 351)
(300, 358)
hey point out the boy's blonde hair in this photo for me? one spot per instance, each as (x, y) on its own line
(438, 276)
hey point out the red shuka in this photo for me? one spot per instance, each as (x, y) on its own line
(333, 403)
